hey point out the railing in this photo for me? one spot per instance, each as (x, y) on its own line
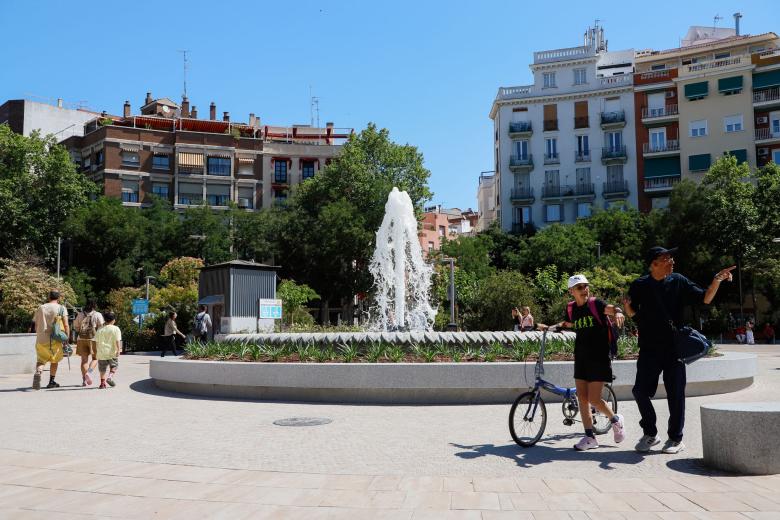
(714, 64)
(522, 193)
(613, 152)
(609, 118)
(569, 53)
(514, 92)
(766, 133)
(581, 122)
(772, 94)
(550, 125)
(672, 145)
(519, 228)
(519, 127)
(654, 76)
(615, 187)
(668, 110)
(577, 190)
(521, 160)
(621, 80)
(661, 183)
(581, 155)
(551, 158)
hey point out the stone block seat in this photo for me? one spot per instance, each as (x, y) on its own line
(742, 437)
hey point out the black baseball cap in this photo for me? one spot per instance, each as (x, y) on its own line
(655, 252)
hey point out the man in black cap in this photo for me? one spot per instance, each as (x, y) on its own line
(653, 300)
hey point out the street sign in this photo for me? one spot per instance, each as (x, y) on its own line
(270, 309)
(140, 306)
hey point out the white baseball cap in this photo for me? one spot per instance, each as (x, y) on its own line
(577, 279)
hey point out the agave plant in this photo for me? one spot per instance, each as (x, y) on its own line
(349, 351)
(395, 353)
(375, 351)
(272, 352)
(324, 353)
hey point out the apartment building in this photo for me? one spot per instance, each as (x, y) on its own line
(168, 152)
(24, 116)
(712, 96)
(486, 202)
(565, 144)
(439, 223)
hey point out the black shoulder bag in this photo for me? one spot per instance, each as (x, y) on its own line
(689, 343)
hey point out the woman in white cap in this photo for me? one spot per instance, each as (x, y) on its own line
(592, 363)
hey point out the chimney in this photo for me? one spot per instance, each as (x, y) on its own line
(226, 117)
(329, 125)
(737, 16)
(148, 98)
(59, 102)
(194, 112)
(213, 111)
(126, 113)
(252, 120)
(185, 107)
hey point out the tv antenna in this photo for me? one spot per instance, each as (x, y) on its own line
(314, 108)
(184, 59)
(715, 20)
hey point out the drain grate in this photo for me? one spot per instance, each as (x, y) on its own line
(303, 421)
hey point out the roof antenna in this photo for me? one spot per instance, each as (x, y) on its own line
(715, 20)
(314, 107)
(184, 56)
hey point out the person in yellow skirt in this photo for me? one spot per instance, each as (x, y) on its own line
(48, 349)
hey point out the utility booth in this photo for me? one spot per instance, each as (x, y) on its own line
(236, 292)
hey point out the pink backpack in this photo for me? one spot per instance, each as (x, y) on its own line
(612, 332)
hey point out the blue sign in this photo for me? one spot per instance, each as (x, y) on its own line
(271, 312)
(140, 306)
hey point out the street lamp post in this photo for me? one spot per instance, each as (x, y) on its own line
(451, 326)
(598, 250)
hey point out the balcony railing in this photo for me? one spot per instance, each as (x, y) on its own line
(518, 228)
(613, 152)
(661, 183)
(762, 96)
(520, 127)
(522, 193)
(702, 66)
(668, 110)
(551, 158)
(613, 118)
(655, 76)
(672, 145)
(619, 80)
(581, 155)
(521, 161)
(577, 190)
(614, 188)
(550, 125)
(569, 53)
(581, 122)
(766, 133)
(523, 91)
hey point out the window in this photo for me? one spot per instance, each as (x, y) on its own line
(86, 162)
(246, 198)
(190, 193)
(722, 55)
(583, 209)
(656, 104)
(130, 191)
(776, 156)
(280, 197)
(657, 140)
(218, 194)
(694, 91)
(99, 157)
(660, 202)
(131, 159)
(549, 79)
(583, 147)
(698, 128)
(553, 212)
(218, 166)
(160, 189)
(246, 168)
(280, 171)
(733, 123)
(661, 66)
(522, 215)
(307, 169)
(442, 231)
(521, 150)
(161, 162)
(614, 141)
(775, 127)
(579, 77)
(583, 177)
(430, 246)
(551, 147)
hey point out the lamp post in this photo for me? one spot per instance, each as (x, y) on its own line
(598, 250)
(451, 326)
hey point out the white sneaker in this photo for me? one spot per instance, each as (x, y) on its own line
(673, 447)
(586, 443)
(618, 429)
(646, 442)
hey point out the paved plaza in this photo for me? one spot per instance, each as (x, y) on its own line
(137, 452)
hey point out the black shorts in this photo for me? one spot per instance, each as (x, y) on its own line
(593, 370)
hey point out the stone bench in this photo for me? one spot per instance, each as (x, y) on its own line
(17, 354)
(742, 437)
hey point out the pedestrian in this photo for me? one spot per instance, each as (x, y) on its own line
(656, 301)
(592, 363)
(749, 336)
(108, 340)
(51, 333)
(740, 334)
(526, 320)
(769, 333)
(169, 335)
(202, 324)
(516, 319)
(87, 323)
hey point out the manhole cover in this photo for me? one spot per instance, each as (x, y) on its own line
(302, 421)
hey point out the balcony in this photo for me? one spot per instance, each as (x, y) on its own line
(765, 136)
(566, 54)
(581, 155)
(520, 92)
(583, 190)
(581, 122)
(654, 77)
(618, 80)
(522, 195)
(659, 115)
(717, 66)
(552, 158)
(522, 162)
(768, 98)
(661, 184)
(614, 154)
(520, 129)
(550, 125)
(615, 189)
(522, 228)
(670, 147)
(615, 119)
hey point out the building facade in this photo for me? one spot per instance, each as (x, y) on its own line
(486, 202)
(440, 223)
(24, 116)
(168, 152)
(565, 144)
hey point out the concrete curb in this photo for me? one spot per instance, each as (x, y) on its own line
(417, 383)
(17, 354)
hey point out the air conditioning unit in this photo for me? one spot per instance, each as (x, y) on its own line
(244, 203)
(762, 120)
(763, 151)
(670, 93)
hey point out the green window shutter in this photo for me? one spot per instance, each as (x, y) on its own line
(662, 167)
(741, 155)
(766, 79)
(730, 84)
(696, 90)
(699, 162)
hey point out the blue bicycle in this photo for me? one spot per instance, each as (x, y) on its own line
(528, 415)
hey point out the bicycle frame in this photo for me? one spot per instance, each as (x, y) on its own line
(541, 384)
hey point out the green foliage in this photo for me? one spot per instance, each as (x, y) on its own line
(349, 351)
(471, 254)
(496, 296)
(569, 247)
(293, 297)
(183, 271)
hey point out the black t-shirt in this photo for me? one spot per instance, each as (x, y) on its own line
(673, 292)
(592, 340)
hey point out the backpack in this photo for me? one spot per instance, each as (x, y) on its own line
(612, 330)
(87, 328)
(200, 323)
(57, 329)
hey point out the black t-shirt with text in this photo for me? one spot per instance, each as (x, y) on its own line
(592, 340)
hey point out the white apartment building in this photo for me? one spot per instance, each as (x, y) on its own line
(565, 144)
(486, 202)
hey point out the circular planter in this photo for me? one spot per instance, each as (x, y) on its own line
(417, 383)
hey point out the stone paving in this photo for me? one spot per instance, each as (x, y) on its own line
(137, 452)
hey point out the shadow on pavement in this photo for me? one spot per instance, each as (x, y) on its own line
(607, 456)
(695, 467)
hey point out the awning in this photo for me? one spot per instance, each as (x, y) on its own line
(214, 299)
(662, 167)
(97, 147)
(699, 162)
(766, 79)
(162, 150)
(731, 84)
(130, 147)
(224, 155)
(246, 160)
(192, 160)
(741, 155)
(696, 90)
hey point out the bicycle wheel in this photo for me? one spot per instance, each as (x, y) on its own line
(527, 419)
(601, 424)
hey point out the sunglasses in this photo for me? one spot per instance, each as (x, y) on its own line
(580, 286)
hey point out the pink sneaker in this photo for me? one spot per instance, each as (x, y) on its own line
(87, 379)
(586, 443)
(618, 429)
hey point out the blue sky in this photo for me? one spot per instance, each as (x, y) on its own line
(425, 70)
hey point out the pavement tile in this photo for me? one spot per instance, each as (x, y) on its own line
(711, 515)
(762, 515)
(676, 502)
(495, 485)
(622, 485)
(287, 497)
(27, 514)
(717, 502)
(527, 501)
(354, 482)
(643, 502)
(387, 500)
(427, 500)
(640, 515)
(385, 483)
(605, 515)
(369, 514)
(421, 484)
(569, 485)
(757, 502)
(551, 515)
(458, 484)
(569, 502)
(701, 484)
(507, 515)
(676, 515)
(527, 485)
(447, 515)
(475, 500)
(346, 498)
(664, 485)
(610, 502)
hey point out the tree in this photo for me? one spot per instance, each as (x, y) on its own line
(496, 296)
(182, 271)
(620, 234)
(39, 190)
(470, 252)
(570, 247)
(207, 234)
(293, 297)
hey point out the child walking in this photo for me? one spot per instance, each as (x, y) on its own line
(592, 364)
(109, 344)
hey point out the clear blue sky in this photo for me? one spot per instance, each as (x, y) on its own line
(425, 70)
